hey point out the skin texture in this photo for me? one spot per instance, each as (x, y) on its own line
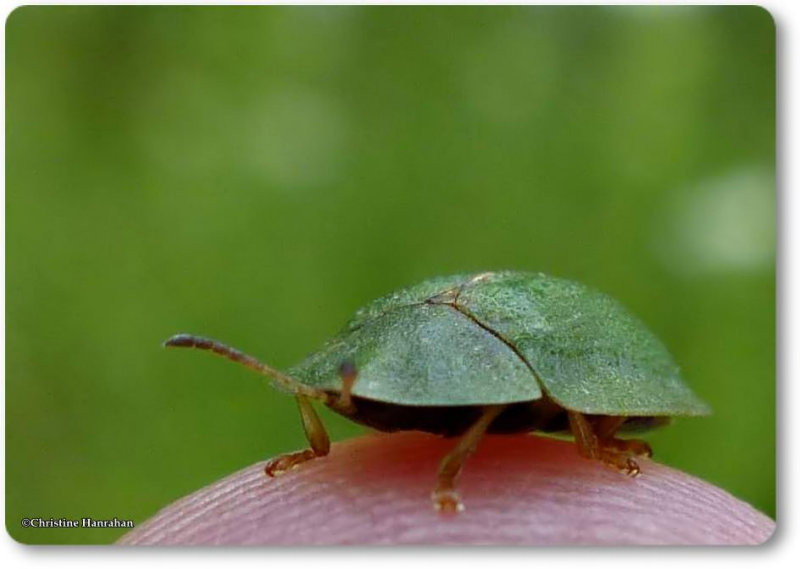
(518, 490)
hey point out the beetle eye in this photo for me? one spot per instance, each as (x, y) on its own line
(347, 369)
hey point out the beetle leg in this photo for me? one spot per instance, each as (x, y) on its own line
(606, 427)
(615, 453)
(445, 497)
(636, 447)
(344, 402)
(588, 445)
(316, 435)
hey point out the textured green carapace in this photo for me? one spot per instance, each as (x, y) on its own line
(504, 337)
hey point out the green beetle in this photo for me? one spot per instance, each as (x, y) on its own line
(499, 352)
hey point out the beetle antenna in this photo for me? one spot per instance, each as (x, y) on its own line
(201, 343)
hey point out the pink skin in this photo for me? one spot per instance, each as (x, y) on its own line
(523, 490)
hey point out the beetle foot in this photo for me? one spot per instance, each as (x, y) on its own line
(622, 462)
(617, 453)
(632, 468)
(286, 462)
(447, 501)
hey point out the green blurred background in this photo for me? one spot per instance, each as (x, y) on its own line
(256, 174)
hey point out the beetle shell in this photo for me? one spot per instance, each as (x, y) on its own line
(504, 337)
